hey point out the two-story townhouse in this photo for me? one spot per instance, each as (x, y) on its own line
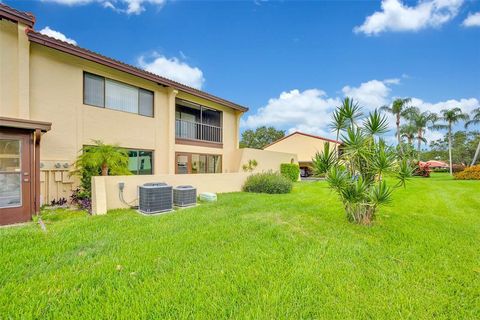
(78, 96)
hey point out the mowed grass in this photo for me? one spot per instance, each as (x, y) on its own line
(254, 256)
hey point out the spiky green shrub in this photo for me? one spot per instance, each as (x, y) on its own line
(268, 182)
(290, 171)
(322, 161)
(357, 175)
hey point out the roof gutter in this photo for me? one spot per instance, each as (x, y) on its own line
(11, 14)
(47, 41)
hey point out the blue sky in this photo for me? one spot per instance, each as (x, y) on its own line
(289, 62)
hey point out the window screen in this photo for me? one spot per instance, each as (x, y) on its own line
(111, 94)
(120, 96)
(94, 90)
(145, 103)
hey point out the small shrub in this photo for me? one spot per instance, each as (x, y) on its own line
(58, 202)
(470, 173)
(250, 166)
(268, 182)
(458, 167)
(290, 171)
(81, 199)
(422, 170)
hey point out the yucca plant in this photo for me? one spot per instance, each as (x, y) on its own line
(322, 161)
(357, 175)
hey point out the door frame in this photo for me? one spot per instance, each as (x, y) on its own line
(189, 161)
(31, 131)
(23, 212)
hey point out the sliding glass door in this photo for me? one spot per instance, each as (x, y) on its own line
(198, 163)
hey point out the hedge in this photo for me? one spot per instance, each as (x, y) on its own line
(290, 171)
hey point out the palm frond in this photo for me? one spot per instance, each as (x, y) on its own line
(376, 123)
(323, 161)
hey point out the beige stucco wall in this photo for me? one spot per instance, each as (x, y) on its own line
(54, 85)
(303, 146)
(41, 83)
(105, 192)
(105, 189)
(12, 63)
(266, 160)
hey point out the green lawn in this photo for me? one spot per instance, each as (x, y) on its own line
(254, 256)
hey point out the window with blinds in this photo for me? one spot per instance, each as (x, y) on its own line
(111, 94)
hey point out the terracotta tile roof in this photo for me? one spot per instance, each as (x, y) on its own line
(12, 14)
(303, 134)
(36, 37)
(435, 163)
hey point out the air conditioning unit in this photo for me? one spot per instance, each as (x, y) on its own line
(155, 198)
(184, 196)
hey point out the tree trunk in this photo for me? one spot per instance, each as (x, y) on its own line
(477, 152)
(420, 136)
(104, 169)
(398, 134)
(450, 147)
(336, 144)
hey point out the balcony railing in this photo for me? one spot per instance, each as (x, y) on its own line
(197, 131)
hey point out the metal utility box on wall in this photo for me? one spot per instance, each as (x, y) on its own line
(184, 196)
(155, 198)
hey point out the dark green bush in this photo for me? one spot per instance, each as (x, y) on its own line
(290, 171)
(268, 182)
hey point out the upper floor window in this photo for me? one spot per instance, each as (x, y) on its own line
(107, 93)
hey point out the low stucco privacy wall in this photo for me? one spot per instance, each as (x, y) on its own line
(267, 160)
(105, 191)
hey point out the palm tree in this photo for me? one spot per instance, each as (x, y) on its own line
(398, 109)
(103, 157)
(475, 120)
(420, 120)
(450, 117)
(408, 131)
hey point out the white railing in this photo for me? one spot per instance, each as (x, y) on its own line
(197, 131)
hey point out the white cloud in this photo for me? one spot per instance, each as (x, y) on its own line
(473, 20)
(392, 81)
(123, 6)
(431, 135)
(310, 111)
(395, 16)
(307, 111)
(57, 35)
(371, 94)
(467, 105)
(174, 69)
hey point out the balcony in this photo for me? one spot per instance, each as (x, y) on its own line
(196, 131)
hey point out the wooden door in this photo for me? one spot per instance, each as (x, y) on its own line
(15, 176)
